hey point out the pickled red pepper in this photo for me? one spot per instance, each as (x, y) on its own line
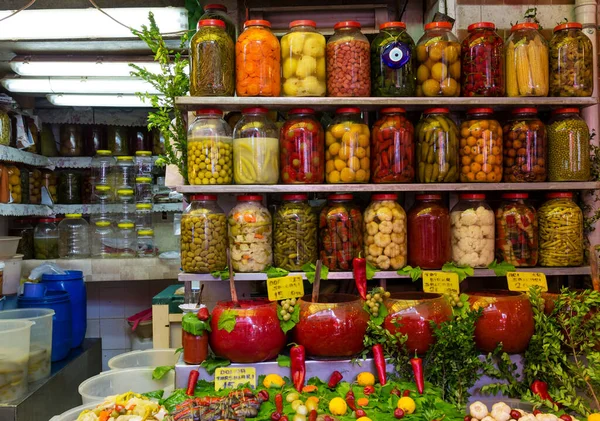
(392, 147)
(298, 366)
(516, 231)
(482, 61)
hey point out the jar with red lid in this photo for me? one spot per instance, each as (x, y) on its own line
(526, 61)
(429, 232)
(348, 65)
(571, 61)
(385, 232)
(340, 232)
(295, 226)
(525, 151)
(438, 58)
(219, 11)
(302, 148)
(257, 61)
(480, 147)
(516, 231)
(482, 61)
(437, 147)
(393, 148)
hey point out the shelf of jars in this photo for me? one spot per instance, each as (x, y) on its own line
(9, 154)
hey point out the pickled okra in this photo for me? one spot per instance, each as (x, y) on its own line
(295, 233)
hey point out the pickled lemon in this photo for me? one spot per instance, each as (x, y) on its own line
(435, 52)
(430, 87)
(321, 68)
(422, 73)
(314, 46)
(333, 177)
(289, 67)
(290, 87)
(450, 53)
(450, 87)
(439, 71)
(307, 66)
(347, 175)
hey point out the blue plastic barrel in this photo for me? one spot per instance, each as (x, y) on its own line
(72, 282)
(61, 322)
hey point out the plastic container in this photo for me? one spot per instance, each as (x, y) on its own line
(526, 61)
(103, 165)
(385, 232)
(480, 147)
(124, 173)
(143, 216)
(219, 11)
(23, 228)
(126, 240)
(45, 239)
(483, 61)
(571, 61)
(73, 240)
(103, 240)
(429, 232)
(393, 147)
(125, 206)
(569, 146)
(71, 140)
(118, 142)
(143, 190)
(144, 164)
(14, 352)
(437, 147)
(295, 225)
(11, 273)
(516, 231)
(145, 358)
(69, 187)
(145, 243)
(9, 245)
(73, 413)
(348, 61)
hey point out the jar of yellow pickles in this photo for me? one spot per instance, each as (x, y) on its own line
(526, 61)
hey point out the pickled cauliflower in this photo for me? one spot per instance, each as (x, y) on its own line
(385, 226)
(250, 237)
(473, 237)
(478, 411)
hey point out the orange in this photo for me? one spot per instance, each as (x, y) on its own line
(487, 168)
(481, 176)
(479, 159)
(486, 135)
(464, 131)
(466, 169)
(467, 150)
(496, 150)
(466, 160)
(484, 124)
(492, 177)
(471, 141)
(463, 142)
(476, 131)
(471, 176)
(347, 175)
(475, 167)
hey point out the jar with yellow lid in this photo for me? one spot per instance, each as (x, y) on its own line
(103, 240)
(126, 240)
(145, 243)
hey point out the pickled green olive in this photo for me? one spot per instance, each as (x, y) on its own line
(203, 241)
(295, 233)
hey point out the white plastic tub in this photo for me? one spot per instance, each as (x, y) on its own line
(115, 382)
(8, 245)
(14, 358)
(146, 358)
(12, 274)
(72, 414)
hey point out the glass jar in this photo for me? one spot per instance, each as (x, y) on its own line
(438, 58)
(73, 241)
(561, 231)
(143, 216)
(302, 148)
(69, 187)
(45, 239)
(24, 176)
(525, 150)
(158, 142)
(482, 61)
(144, 164)
(472, 229)
(385, 232)
(212, 57)
(347, 139)
(86, 187)
(126, 240)
(348, 65)
(35, 186)
(71, 142)
(103, 165)
(14, 184)
(295, 240)
(103, 194)
(94, 139)
(124, 172)
(437, 147)
(257, 61)
(203, 236)
(255, 148)
(480, 147)
(571, 61)
(117, 140)
(23, 228)
(429, 232)
(393, 147)
(303, 60)
(219, 11)
(50, 181)
(250, 235)
(340, 232)
(569, 146)
(104, 240)
(210, 150)
(143, 190)
(194, 337)
(145, 243)
(393, 69)
(526, 61)
(516, 231)
(5, 128)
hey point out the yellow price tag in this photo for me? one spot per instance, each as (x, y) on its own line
(285, 287)
(522, 281)
(230, 377)
(441, 282)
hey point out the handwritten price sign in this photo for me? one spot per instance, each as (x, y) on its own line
(522, 281)
(285, 287)
(441, 282)
(231, 377)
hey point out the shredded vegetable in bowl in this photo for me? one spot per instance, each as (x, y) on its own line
(126, 407)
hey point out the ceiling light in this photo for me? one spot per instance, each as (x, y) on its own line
(84, 85)
(125, 101)
(76, 66)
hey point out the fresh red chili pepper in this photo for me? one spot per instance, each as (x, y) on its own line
(398, 413)
(351, 400)
(360, 413)
(369, 390)
(312, 416)
(203, 314)
(334, 379)
(396, 392)
(298, 366)
(264, 395)
(566, 417)
(406, 393)
(192, 380)
(417, 366)
(513, 414)
(279, 402)
(540, 389)
(359, 270)
(276, 416)
(379, 359)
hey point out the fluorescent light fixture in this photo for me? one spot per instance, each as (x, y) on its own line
(71, 24)
(84, 85)
(126, 101)
(76, 66)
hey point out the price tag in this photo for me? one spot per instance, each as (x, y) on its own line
(522, 281)
(285, 287)
(441, 282)
(230, 377)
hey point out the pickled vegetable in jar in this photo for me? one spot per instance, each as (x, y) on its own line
(348, 65)
(250, 235)
(526, 61)
(480, 147)
(5, 128)
(472, 230)
(295, 242)
(393, 69)
(385, 232)
(45, 239)
(255, 148)
(203, 235)
(302, 148)
(117, 140)
(437, 147)
(35, 186)
(69, 187)
(303, 60)
(429, 232)
(23, 228)
(210, 149)
(14, 184)
(71, 142)
(50, 181)
(569, 146)
(483, 61)
(393, 148)
(212, 56)
(438, 60)
(24, 184)
(525, 150)
(347, 139)
(516, 231)
(561, 231)
(340, 232)
(571, 61)
(219, 11)
(257, 61)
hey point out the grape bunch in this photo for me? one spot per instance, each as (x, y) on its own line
(375, 299)
(287, 308)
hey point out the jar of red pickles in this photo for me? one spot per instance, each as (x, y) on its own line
(525, 152)
(302, 148)
(482, 61)
(340, 232)
(393, 148)
(516, 231)
(385, 232)
(429, 232)
(480, 147)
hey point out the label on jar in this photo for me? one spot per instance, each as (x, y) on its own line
(232, 377)
(522, 281)
(441, 282)
(395, 54)
(285, 288)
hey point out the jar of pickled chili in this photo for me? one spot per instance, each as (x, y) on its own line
(437, 147)
(429, 232)
(516, 231)
(482, 61)
(480, 147)
(526, 61)
(571, 58)
(569, 145)
(257, 61)
(295, 226)
(302, 148)
(393, 148)
(525, 152)
(385, 232)
(194, 337)
(472, 231)
(340, 232)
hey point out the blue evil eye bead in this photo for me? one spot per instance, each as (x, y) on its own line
(396, 54)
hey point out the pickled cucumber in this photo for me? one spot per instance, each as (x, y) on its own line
(295, 236)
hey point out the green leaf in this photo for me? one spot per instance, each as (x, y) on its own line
(273, 272)
(309, 271)
(227, 321)
(191, 324)
(157, 394)
(161, 371)
(211, 363)
(288, 325)
(414, 273)
(283, 361)
(462, 271)
(177, 397)
(371, 271)
(502, 268)
(178, 350)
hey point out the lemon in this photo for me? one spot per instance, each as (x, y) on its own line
(365, 379)
(290, 87)
(594, 417)
(273, 380)
(337, 406)
(422, 73)
(364, 419)
(307, 66)
(430, 87)
(439, 71)
(407, 405)
(289, 67)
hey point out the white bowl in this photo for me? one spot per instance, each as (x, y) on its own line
(73, 413)
(8, 245)
(147, 358)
